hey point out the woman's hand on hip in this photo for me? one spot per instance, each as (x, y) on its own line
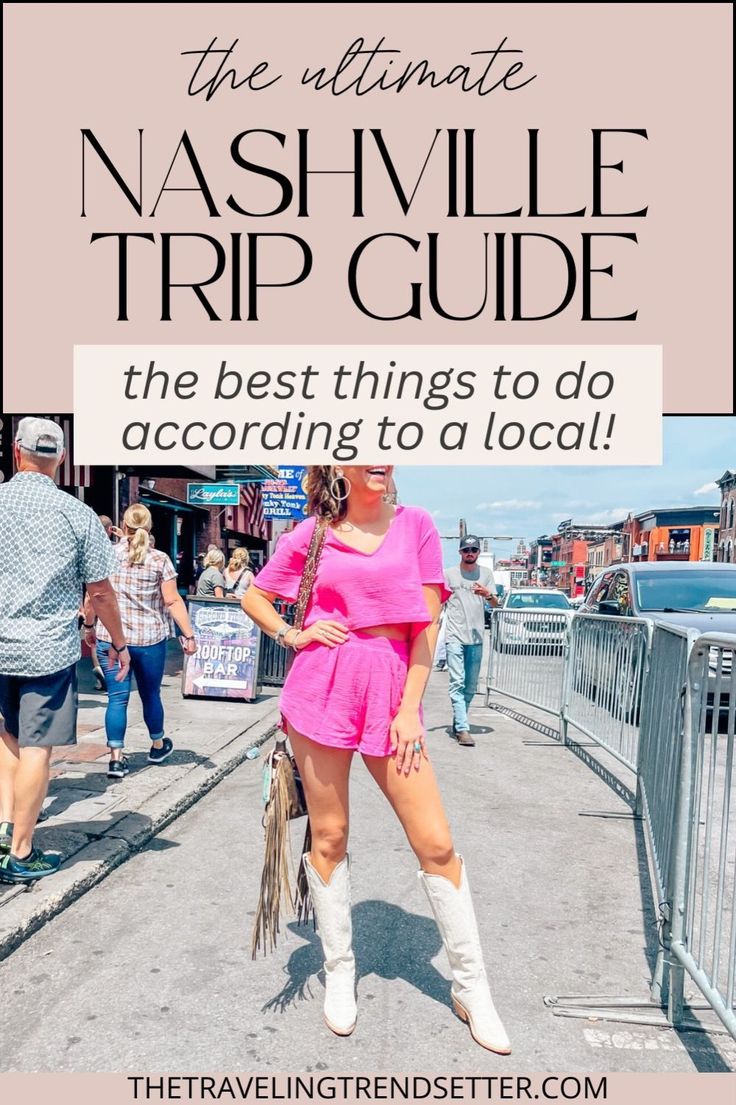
(325, 633)
(407, 739)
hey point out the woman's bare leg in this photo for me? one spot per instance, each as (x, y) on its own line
(416, 801)
(325, 773)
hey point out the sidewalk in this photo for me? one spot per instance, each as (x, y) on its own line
(557, 864)
(97, 823)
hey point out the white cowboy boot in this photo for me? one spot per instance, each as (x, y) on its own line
(335, 928)
(471, 996)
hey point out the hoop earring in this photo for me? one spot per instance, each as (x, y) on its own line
(348, 487)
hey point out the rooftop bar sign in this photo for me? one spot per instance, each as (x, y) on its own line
(225, 664)
(213, 494)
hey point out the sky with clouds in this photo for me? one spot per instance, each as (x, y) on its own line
(526, 502)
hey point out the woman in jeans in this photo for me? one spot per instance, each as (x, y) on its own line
(362, 662)
(144, 581)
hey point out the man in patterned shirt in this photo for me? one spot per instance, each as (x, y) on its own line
(51, 545)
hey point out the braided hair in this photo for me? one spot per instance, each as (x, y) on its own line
(320, 481)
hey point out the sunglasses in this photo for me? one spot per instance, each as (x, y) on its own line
(471, 548)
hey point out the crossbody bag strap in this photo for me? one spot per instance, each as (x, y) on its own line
(306, 583)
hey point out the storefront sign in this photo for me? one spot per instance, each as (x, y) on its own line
(285, 497)
(709, 541)
(228, 646)
(213, 494)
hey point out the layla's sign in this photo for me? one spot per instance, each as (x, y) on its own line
(213, 494)
(225, 664)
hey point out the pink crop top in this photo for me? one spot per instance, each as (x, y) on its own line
(363, 589)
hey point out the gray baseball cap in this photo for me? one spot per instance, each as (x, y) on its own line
(40, 436)
(469, 542)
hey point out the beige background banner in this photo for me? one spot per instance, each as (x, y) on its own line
(117, 1089)
(121, 69)
(422, 404)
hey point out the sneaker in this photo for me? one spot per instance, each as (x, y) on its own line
(35, 866)
(117, 769)
(6, 837)
(158, 755)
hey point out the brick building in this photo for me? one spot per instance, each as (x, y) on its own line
(727, 539)
(539, 560)
(569, 565)
(673, 533)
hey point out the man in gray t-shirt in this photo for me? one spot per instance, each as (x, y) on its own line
(471, 585)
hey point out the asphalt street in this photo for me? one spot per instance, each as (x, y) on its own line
(151, 970)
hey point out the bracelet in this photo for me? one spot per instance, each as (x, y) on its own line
(118, 650)
(85, 626)
(280, 634)
(182, 637)
(294, 645)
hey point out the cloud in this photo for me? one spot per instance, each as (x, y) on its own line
(511, 504)
(598, 518)
(603, 517)
(706, 488)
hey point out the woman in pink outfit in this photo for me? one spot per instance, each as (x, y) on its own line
(356, 684)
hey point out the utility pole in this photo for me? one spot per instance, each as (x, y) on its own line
(462, 528)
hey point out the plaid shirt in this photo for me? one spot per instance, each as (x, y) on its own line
(138, 589)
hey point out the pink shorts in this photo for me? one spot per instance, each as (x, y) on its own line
(347, 696)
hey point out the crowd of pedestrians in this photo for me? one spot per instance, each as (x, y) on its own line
(64, 569)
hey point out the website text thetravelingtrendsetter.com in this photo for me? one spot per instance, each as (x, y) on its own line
(339, 1087)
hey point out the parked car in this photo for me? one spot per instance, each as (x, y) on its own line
(536, 619)
(697, 595)
(488, 609)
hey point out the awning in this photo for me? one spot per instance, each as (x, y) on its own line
(168, 472)
(168, 502)
(246, 473)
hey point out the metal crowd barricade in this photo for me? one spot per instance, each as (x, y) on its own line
(604, 680)
(273, 660)
(662, 700)
(526, 656)
(701, 926)
(660, 748)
